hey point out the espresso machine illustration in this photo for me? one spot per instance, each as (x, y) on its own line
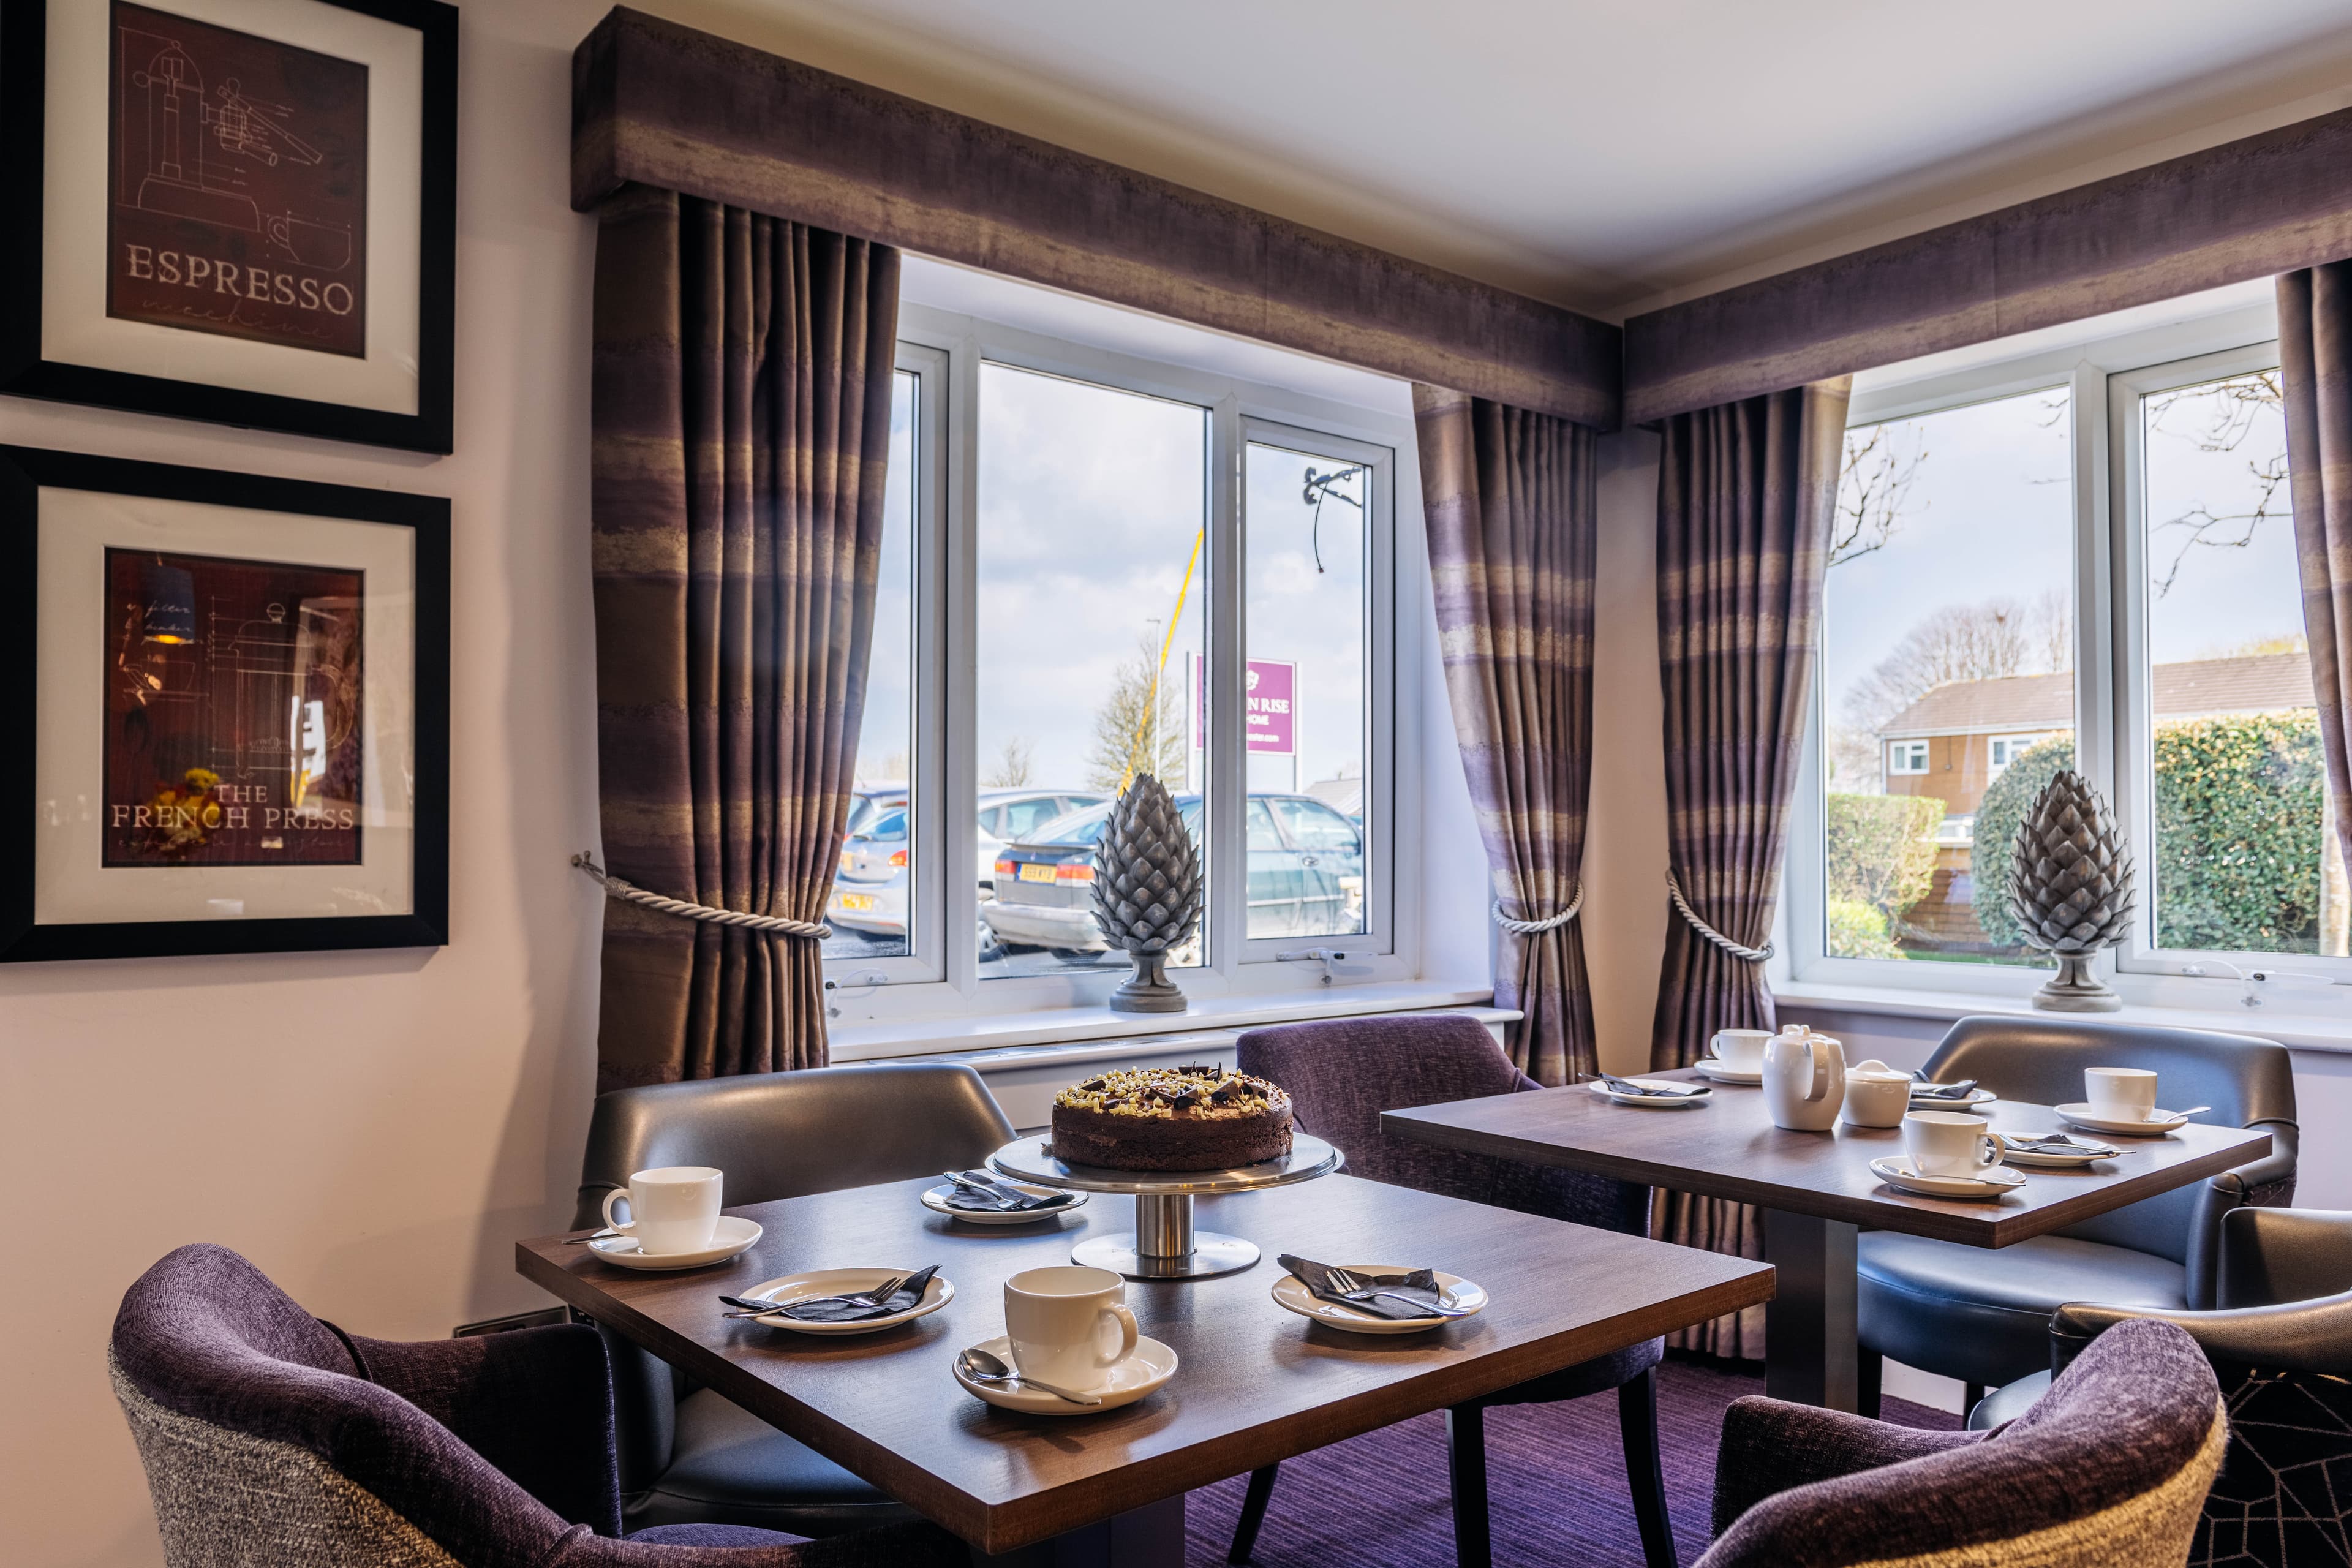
(185, 152)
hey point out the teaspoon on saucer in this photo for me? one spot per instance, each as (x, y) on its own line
(982, 1367)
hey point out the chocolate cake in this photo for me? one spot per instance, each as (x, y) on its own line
(1172, 1119)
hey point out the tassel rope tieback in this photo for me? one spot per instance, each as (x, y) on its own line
(1537, 928)
(1682, 906)
(630, 893)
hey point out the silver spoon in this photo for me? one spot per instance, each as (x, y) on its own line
(982, 1367)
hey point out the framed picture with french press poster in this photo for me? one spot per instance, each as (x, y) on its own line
(227, 715)
(240, 211)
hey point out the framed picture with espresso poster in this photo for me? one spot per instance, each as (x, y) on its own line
(230, 712)
(240, 211)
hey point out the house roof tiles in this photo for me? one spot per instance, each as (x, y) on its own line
(2254, 683)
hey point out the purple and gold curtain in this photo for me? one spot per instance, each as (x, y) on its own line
(1510, 503)
(2315, 308)
(1745, 495)
(742, 414)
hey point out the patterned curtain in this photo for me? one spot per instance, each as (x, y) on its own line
(1745, 495)
(1509, 497)
(2315, 309)
(742, 412)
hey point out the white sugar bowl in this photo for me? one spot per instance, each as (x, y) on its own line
(1876, 1095)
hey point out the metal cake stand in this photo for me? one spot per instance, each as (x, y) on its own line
(1163, 1245)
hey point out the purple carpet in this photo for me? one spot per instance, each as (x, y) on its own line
(1556, 1482)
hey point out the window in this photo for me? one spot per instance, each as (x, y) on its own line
(1111, 565)
(2220, 758)
(2083, 561)
(1946, 610)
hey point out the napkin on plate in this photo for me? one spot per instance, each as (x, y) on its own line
(1418, 1285)
(977, 1198)
(1922, 1090)
(2055, 1144)
(902, 1299)
(1666, 1089)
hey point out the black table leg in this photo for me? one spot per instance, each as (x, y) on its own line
(1809, 1327)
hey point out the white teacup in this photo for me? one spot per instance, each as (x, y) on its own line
(1740, 1049)
(673, 1209)
(1949, 1143)
(1876, 1095)
(1069, 1325)
(2120, 1094)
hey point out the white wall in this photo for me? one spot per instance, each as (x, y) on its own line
(374, 1130)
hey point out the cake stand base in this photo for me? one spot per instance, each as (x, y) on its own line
(1212, 1255)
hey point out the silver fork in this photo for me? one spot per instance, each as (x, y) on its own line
(873, 1297)
(1348, 1283)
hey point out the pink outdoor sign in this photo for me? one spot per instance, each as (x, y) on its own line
(1272, 706)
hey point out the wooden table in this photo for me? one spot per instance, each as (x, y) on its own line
(1255, 1384)
(1816, 1190)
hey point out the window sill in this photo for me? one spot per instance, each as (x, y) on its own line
(981, 1035)
(2301, 1031)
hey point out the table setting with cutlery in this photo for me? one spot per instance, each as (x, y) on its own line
(1070, 1343)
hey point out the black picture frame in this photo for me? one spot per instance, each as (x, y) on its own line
(23, 372)
(24, 472)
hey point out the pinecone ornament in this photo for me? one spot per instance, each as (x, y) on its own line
(1146, 892)
(2070, 885)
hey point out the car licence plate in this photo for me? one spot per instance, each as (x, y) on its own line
(855, 903)
(1030, 872)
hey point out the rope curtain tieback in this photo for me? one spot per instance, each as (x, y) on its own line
(630, 893)
(1537, 928)
(1682, 905)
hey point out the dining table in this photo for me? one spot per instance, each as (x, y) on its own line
(1816, 1190)
(1255, 1383)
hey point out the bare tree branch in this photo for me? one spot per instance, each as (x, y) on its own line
(1882, 463)
(2232, 409)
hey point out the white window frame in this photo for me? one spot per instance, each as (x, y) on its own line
(2135, 785)
(2102, 379)
(926, 760)
(942, 979)
(1905, 749)
(2024, 740)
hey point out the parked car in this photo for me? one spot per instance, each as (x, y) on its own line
(1306, 870)
(1011, 816)
(869, 888)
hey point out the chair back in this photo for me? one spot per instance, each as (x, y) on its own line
(2248, 1082)
(782, 1135)
(264, 1448)
(1342, 1073)
(2111, 1467)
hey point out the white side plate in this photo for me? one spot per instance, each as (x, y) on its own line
(730, 1238)
(1291, 1293)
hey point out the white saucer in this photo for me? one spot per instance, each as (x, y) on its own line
(1650, 1101)
(936, 1200)
(1895, 1171)
(937, 1293)
(2013, 1156)
(1724, 1072)
(1152, 1365)
(2157, 1126)
(1977, 1101)
(1291, 1293)
(730, 1237)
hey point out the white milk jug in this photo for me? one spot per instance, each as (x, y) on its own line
(1805, 1080)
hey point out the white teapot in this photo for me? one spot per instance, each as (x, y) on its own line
(1805, 1080)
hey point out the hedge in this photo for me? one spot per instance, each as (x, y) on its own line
(1859, 930)
(2239, 816)
(1880, 849)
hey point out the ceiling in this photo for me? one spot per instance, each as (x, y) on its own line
(1608, 154)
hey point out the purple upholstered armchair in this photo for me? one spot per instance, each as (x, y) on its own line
(2111, 1467)
(1340, 1075)
(273, 1440)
